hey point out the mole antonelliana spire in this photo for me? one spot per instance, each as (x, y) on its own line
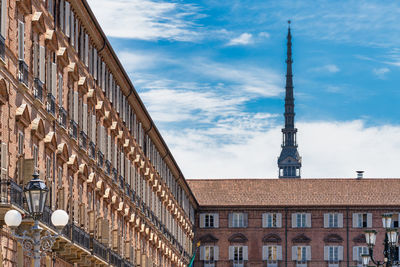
(289, 162)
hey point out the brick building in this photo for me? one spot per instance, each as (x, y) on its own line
(69, 110)
(291, 222)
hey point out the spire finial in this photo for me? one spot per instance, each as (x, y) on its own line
(289, 22)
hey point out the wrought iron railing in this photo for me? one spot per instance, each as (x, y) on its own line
(23, 72)
(121, 182)
(108, 167)
(73, 129)
(100, 159)
(38, 89)
(115, 175)
(80, 237)
(83, 140)
(100, 250)
(115, 259)
(62, 117)
(92, 150)
(2, 47)
(51, 104)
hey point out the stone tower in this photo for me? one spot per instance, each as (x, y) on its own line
(289, 162)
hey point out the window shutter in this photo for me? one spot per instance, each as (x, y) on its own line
(294, 253)
(62, 14)
(202, 248)
(94, 128)
(216, 253)
(35, 59)
(246, 219)
(115, 156)
(355, 253)
(85, 116)
(202, 220)
(355, 220)
(4, 160)
(76, 101)
(245, 253)
(308, 219)
(231, 248)
(279, 220)
(340, 253)
(72, 22)
(264, 251)
(369, 220)
(86, 49)
(109, 148)
(60, 90)
(105, 231)
(340, 220)
(308, 252)
(42, 62)
(294, 221)
(76, 38)
(264, 220)
(53, 79)
(216, 220)
(67, 19)
(230, 220)
(326, 220)
(21, 32)
(3, 27)
(326, 252)
(279, 253)
(91, 221)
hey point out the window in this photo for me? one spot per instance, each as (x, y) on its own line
(301, 220)
(48, 168)
(362, 220)
(35, 153)
(209, 253)
(301, 254)
(20, 143)
(357, 252)
(272, 220)
(60, 175)
(3, 18)
(238, 253)
(271, 253)
(333, 254)
(209, 220)
(333, 220)
(50, 6)
(238, 219)
(21, 41)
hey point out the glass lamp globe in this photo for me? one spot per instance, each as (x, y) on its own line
(387, 220)
(59, 218)
(365, 259)
(13, 218)
(370, 237)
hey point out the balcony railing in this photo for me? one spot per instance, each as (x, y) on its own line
(121, 182)
(100, 250)
(115, 175)
(80, 237)
(38, 90)
(92, 150)
(100, 159)
(108, 167)
(115, 259)
(73, 129)
(2, 47)
(23, 72)
(83, 140)
(51, 104)
(62, 117)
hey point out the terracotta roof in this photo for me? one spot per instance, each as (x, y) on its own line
(296, 192)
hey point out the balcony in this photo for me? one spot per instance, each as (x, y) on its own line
(73, 129)
(92, 150)
(80, 237)
(83, 140)
(100, 159)
(11, 193)
(121, 182)
(115, 175)
(2, 48)
(23, 72)
(108, 167)
(38, 89)
(62, 117)
(51, 104)
(115, 259)
(100, 250)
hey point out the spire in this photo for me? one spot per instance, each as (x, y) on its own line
(289, 162)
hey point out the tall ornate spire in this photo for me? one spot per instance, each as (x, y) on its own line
(289, 162)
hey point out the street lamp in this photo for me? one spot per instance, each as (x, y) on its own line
(32, 241)
(390, 244)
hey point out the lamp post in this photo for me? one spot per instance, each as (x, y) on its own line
(37, 241)
(390, 244)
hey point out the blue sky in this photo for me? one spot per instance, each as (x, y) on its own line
(212, 74)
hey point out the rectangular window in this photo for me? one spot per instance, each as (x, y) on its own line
(60, 177)
(301, 220)
(333, 220)
(271, 253)
(48, 168)
(333, 255)
(21, 41)
(361, 251)
(3, 19)
(209, 220)
(60, 89)
(362, 220)
(209, 253)
(20, 143)
(238, 253)
(238, 220)
(35, 155)
(272, 220)
(50, 6)
(301, 254)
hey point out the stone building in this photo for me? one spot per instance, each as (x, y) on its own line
(69, 110)
(291, 222)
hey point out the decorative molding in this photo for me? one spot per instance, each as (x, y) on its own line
(271, 238)
(359, 239)
(301, 238)
(238, 238)
(333, 238)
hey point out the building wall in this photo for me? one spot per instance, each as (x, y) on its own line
(129, 200)
(317, 236)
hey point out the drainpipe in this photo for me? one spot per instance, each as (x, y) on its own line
(286, 236)
(347, 237)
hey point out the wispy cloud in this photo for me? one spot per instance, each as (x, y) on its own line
(329, 68)
(243, 39)
(381, 72)
(147, 19)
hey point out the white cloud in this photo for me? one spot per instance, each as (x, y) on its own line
(264, 34)
(381, 72)
(243, 39)
(146, 19)
(330, 68)
(328, 149)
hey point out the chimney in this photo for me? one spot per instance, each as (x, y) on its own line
(360, 174)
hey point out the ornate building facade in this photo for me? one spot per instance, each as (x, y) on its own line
(69, 110)
(291, 222)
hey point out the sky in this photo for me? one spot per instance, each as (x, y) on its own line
(212, 76)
